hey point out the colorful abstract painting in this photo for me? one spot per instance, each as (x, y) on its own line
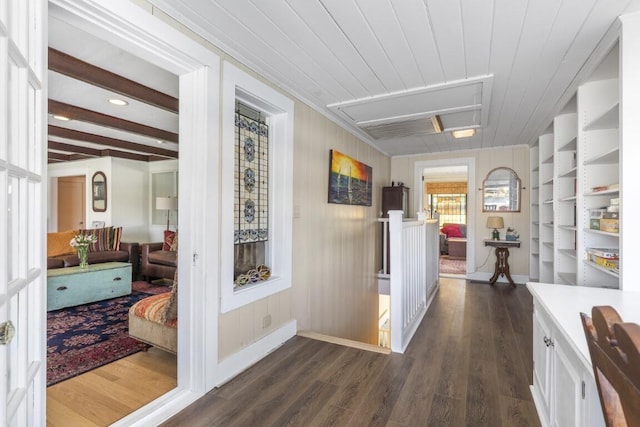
(350, 182)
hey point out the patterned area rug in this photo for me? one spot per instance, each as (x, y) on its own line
(88, 336)
(453, 265)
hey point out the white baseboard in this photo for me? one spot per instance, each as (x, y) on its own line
(159, 410)
(238, 362)
(481, 276)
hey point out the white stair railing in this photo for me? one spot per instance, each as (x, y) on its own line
(413, 247)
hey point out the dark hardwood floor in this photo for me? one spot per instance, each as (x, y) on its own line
(469, 364)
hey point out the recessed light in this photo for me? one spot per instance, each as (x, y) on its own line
(160, 141)
(59, 117)
(463, 133)
(120, 102)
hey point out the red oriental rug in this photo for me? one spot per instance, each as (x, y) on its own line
(88, 336)
(453, 265)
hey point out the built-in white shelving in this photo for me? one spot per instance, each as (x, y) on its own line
(575, 167)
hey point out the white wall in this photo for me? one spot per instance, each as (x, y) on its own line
(128, 199)
(77, 168)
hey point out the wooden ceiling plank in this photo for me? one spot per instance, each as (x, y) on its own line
(385, 24)
(111, 142)
(81, 114)
(73, 67)
(350, 21)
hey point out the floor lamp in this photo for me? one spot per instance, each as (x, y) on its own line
(167, 203)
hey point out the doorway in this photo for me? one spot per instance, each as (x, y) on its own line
(140, 33)
(444, 190)
(71, 202)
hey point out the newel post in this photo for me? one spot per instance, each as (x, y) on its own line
(395, 279)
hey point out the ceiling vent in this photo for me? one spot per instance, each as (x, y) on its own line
(422, 126)
(422, 111)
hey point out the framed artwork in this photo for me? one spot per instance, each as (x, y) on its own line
(350, 181)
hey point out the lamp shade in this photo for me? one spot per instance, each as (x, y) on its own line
(495, 222)
(168, 203)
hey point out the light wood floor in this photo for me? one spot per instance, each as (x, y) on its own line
(108, 393)
(469, 364)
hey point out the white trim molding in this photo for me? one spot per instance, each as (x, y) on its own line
(238, 85)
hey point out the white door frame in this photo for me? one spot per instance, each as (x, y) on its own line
(23, 161)
(137, 31)
(418, 185)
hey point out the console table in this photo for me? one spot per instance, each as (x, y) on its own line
(502, 258)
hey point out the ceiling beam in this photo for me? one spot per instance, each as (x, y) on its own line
(68, 65)
(83, 115)
(110, 142)
(59, 146)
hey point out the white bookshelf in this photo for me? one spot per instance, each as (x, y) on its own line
(600, 122)
(534, 244)
(546, 155)
(598, 166)
(565, 132)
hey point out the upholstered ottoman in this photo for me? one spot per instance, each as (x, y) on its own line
(457, 247)
(148, 322)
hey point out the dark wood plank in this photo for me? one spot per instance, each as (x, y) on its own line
(71, 66)
(83, 115)
(465, 366)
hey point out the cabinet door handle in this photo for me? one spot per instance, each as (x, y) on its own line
(115, 279)
(61, 288)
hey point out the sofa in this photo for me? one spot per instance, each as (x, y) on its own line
(453, 240)
(154, 319)
(159, 260)
(60, 254)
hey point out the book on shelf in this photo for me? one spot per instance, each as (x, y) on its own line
(604, 252)
(605, 187)
(608, 263)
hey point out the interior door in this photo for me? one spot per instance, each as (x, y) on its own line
(22, 201)
(71, 202)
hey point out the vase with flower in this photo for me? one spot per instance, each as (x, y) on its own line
(81, 242)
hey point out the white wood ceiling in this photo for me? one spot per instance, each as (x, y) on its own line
(330, 52)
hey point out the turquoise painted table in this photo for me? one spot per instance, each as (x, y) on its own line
(71, 286)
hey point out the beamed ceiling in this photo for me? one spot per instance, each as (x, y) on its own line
(383, 68)
(84, 73)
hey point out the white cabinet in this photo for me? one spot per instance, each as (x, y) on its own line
(563, 387)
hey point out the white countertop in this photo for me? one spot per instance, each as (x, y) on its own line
(564, 303)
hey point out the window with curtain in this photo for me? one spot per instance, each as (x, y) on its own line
(448, 200)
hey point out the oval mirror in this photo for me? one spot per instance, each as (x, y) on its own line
(501, 191)
(99, 192)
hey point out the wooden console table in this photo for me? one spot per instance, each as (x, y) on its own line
(502, 258)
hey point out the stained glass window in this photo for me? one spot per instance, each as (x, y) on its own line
(251, 184)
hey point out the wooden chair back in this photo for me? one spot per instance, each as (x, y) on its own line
(614, 347)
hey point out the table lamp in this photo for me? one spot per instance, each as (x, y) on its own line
(495, 222)
(167, 203)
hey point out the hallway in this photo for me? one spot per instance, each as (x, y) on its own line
(469, 364)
